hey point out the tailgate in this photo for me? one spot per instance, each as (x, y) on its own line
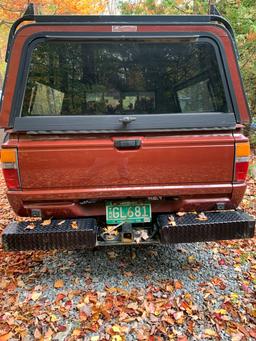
(91, 163)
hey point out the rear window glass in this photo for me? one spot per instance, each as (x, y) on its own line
(123, 77)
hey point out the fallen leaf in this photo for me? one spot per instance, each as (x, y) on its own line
(182, 338)
(137, 237)
(169, 288)
(180, 214)
(112, 255)
(117, 329)
(35, 295)
(202, 216)
(74, 225)
(48, 334)
(222, 261)
(178, 315)
(112, 230)
(252, 332)
(83, 316)
(6, 337)
(116, 338)
(76, 332)
(133, 305)
(144, 235)
(128, 274)
(234, 296)
(54, 318)
(141, 235)
(60, 297)
(191, 259)
(62, 328)
(177, 284)
(171, 221)
(210, 332)
(58, 284)
(30, 226)
(37, 334)
(237, 337)
(168, 320)
(221, 311)
(46, 222)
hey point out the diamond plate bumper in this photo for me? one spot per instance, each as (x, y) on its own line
(61, 235)
(218, 226)
(16, 237)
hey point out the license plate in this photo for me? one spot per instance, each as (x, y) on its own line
(130, 212)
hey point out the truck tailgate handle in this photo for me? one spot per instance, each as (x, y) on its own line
(127, 144)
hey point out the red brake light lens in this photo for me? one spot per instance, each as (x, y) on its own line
(241, 171)
(11, 178)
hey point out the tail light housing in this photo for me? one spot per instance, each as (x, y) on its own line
(9, 160)
(242, 161)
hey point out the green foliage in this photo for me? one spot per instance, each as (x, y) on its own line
(240, 13)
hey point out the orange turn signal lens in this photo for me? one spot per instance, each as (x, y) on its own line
(242, 149)
(8, 155)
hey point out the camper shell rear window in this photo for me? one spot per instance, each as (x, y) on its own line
(123, 77)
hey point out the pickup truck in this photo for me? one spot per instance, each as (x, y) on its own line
(123, 130)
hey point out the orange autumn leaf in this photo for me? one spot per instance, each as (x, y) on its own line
(74, 225)
(59, 284)
(6, 337)
(178, 284)
(46, 222)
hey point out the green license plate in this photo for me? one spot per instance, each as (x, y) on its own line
(130, 212)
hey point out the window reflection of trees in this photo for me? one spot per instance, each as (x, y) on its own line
(100, 78)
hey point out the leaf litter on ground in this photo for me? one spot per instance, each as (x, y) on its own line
(197, 291)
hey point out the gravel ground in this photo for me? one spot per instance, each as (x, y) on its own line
(200, 291)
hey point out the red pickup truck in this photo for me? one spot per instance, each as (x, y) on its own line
(122, 130)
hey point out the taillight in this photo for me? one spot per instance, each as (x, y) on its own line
(242, 161)
(10, 168)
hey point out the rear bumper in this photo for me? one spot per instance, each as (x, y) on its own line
(67, 203)
(218, 226)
